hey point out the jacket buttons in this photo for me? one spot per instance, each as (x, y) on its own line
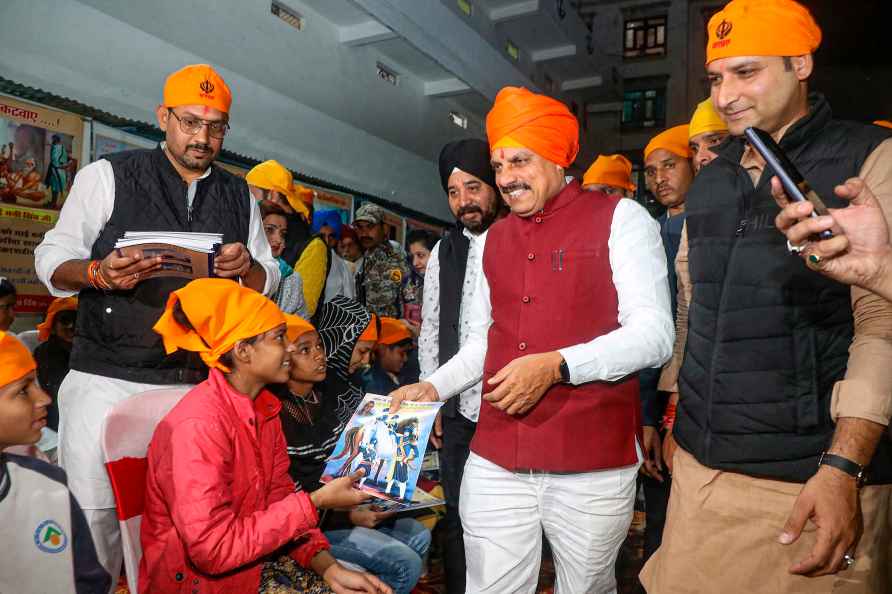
(178, 577)
(526, 299)
(195, 581)
(522, 346)
(538, 219)
(531, 256)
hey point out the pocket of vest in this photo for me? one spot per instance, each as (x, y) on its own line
(805, 382)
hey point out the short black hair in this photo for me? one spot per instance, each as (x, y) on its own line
(788, 63)
(6, 288)
(424, 236)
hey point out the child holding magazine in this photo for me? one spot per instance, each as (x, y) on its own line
(318, 400)
(221, 513)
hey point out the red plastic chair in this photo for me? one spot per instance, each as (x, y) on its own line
(126, 433)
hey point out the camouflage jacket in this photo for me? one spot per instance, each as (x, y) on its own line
(380, 280)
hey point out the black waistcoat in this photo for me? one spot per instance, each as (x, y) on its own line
(114, 335)
(767, 337)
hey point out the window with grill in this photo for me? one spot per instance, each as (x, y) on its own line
(644, 109)
(645, 37)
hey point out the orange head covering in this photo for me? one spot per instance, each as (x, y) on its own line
(674, 140)
(370, 333)
(706, 119)
(62, 304)
(883, 123)
(610, 170)
(221, 313)
(198, 84)
(762, 28)
(393, 331)
(15, 359)
(297, 327)
(521, 119)
(272, 175)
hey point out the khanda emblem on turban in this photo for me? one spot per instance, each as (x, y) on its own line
(723, 29)
(206, 86)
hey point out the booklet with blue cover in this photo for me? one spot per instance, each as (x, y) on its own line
(388, 448)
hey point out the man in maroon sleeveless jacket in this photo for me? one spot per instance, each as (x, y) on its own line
(572, 303)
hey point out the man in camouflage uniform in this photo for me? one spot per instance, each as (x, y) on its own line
(380, 277)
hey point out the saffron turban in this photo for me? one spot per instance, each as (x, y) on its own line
(198, 84)
(610, 170)
(762, 28)
(706, 119)
(674, 140)
(521, 119)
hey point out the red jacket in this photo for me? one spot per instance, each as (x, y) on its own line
(219, 499)
(551, 286)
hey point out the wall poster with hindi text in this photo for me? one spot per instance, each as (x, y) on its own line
(40, 152)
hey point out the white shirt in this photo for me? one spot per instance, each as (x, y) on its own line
(429, 337)
(646, 333)
(89, 207)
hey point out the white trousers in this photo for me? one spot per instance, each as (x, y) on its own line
(84, 399)
(585, 518)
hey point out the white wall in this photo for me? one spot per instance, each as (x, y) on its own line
(299, 97)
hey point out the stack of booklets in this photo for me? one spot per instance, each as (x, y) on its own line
(388, 449)
(183, 254)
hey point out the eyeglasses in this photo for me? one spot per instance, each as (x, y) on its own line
(191, 125)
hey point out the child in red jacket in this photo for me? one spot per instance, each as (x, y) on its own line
(221, 513)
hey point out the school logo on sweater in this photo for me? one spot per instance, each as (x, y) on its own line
(50, 538)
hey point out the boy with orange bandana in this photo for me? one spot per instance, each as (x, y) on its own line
(47, 544)
(783, 400)
(221, 512)
(572, 303)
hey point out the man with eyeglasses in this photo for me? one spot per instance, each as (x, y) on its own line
(115, 353)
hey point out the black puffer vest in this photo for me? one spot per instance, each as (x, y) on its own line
(114, 335)
(767, 337)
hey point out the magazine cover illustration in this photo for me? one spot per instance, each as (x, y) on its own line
(387, 448)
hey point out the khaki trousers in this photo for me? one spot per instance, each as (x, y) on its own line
(721, 537)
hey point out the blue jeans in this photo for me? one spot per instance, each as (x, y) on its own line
(393, 551)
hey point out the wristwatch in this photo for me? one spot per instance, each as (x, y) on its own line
(849, 467)
(565, 372)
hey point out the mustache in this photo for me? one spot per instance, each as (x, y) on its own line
(201, 146)
(512, 187)
(472, 208)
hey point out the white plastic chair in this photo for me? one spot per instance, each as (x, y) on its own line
(126, 433)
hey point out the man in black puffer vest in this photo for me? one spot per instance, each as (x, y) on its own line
(115, 353)
(470, 185)
(785, 389)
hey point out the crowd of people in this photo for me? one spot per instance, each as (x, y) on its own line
(728, 359)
